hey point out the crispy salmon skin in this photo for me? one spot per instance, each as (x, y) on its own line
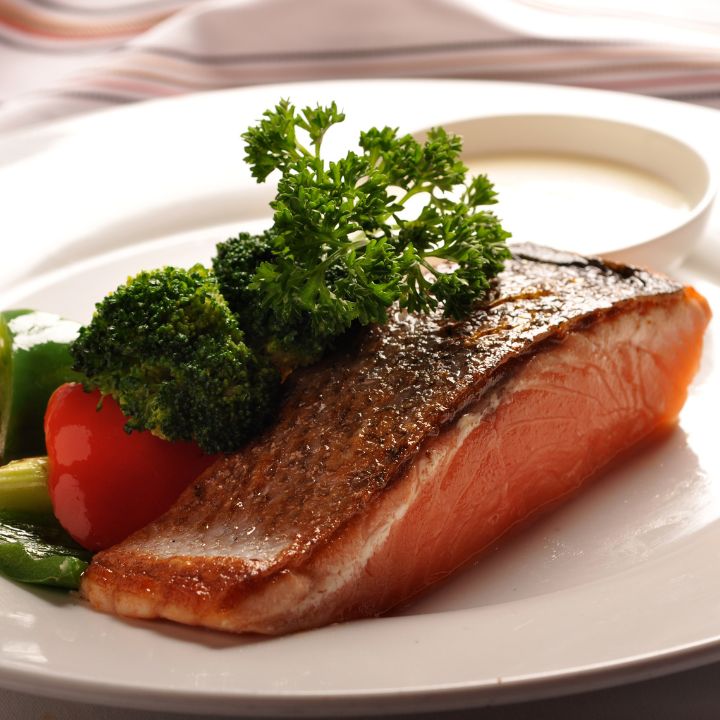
(410, 450)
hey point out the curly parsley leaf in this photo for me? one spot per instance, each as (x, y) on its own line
(347, 242)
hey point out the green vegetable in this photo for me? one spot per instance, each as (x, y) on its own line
(289, 342)
(345, 244)
(35, 549)
(235, 265)
(167, 347)
(34, 361)
(23, 485)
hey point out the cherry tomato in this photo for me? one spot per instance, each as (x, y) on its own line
(105, 483)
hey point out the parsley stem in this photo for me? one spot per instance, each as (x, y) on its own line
(429, 267)
(303, 151)
(342, 251)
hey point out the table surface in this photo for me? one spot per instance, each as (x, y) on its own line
(690, 695)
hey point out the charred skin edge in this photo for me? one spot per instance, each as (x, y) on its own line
(186, 582)
(563, 258)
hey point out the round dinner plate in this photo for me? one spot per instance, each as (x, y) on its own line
(619, 583)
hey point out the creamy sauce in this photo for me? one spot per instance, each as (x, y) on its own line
(579, 203)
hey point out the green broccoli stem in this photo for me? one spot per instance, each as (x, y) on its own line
(23, 485)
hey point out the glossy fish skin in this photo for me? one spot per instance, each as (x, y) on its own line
(374, 481)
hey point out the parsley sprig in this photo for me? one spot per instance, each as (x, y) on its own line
(348, 241)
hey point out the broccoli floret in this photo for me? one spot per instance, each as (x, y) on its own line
(290, 339)
(167, 347)
(234, 265)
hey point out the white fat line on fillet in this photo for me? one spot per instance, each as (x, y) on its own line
(425, 470)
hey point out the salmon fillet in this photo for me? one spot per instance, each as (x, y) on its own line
(405, 454)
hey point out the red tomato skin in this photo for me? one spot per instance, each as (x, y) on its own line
(106, 483)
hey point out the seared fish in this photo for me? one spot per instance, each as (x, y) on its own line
(410, 450)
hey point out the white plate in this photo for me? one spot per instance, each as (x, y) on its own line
(83, 186)
(619, 584)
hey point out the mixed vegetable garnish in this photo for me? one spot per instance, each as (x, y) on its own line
(34, 360)
(108, 423)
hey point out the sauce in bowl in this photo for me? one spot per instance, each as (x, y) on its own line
(568, 201)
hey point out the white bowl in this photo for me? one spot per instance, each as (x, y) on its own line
(591, 185)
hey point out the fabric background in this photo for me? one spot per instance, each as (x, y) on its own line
(61, 57)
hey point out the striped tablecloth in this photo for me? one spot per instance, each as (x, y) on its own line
(62, 57)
